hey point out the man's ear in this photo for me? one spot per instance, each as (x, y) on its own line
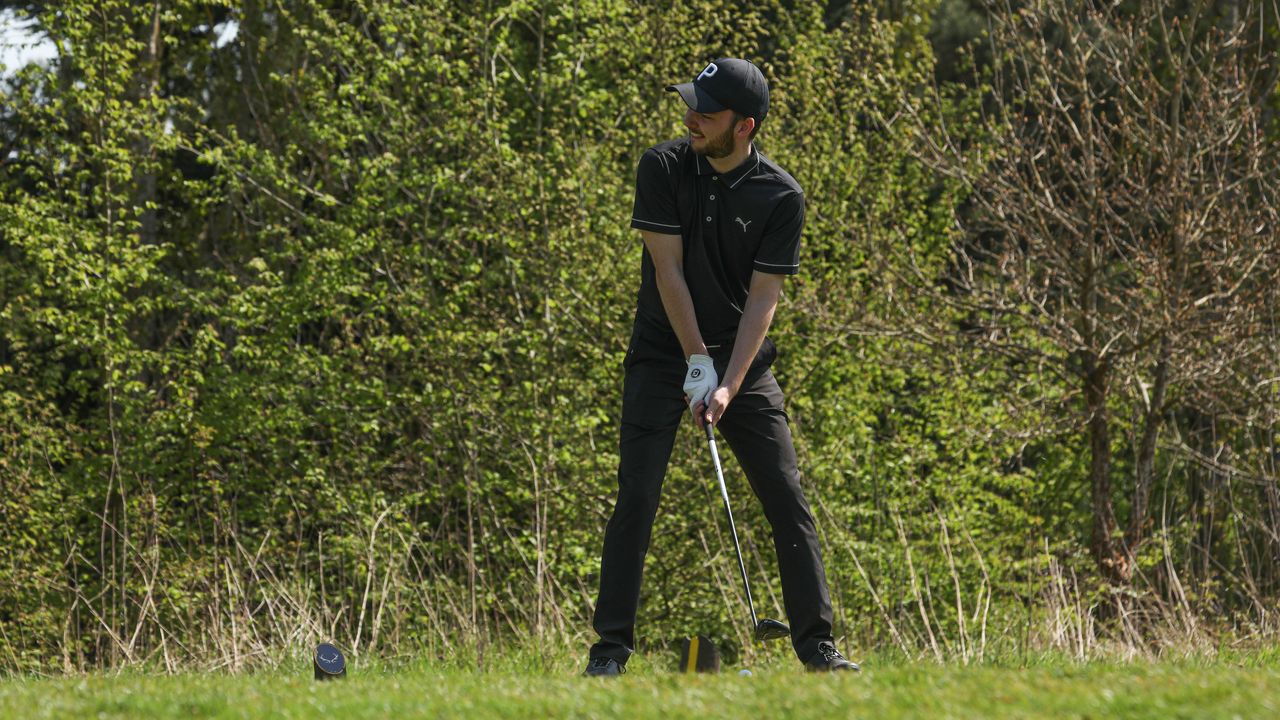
(745, 126)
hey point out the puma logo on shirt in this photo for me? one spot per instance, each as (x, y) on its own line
(744, 224)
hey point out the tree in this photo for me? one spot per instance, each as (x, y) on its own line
(1124, 237)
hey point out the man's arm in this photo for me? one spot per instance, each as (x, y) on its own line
(667, 252)
(757, 315)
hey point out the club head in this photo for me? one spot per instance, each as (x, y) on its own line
(699, 654)
(329, 663)
(768, 629)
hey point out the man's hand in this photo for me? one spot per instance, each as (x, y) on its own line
(717, 403)
(699, 381)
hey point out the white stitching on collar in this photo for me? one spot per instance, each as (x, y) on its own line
(735, 185)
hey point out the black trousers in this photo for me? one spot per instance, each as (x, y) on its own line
(755, 426)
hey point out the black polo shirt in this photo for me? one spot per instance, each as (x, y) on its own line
(732, 224)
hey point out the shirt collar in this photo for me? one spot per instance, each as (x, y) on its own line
(735, 176)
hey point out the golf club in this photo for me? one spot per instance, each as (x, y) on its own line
(763, 628)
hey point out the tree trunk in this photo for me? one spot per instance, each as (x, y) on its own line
(149, 86)
(1145, 469)
(1271, 492)
(1111, 559)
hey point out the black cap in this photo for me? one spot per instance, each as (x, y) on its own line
(728, 83)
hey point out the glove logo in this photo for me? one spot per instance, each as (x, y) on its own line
(696, 373)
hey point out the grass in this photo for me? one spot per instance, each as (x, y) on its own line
(1049, 688)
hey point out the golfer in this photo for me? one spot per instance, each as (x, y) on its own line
(721, 227)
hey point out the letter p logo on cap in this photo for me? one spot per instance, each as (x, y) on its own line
(708, 71)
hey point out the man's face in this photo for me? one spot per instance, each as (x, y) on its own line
(711, 133)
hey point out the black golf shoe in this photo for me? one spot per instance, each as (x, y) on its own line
(604, 667)
(828, 659)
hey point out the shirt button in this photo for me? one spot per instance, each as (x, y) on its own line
(708, 218)
(715, 177)
(713, 197)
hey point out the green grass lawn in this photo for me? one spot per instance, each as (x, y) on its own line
(1184, 689)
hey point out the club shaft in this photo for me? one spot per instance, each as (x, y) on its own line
(733, 530)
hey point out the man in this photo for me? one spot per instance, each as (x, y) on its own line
(721, 227)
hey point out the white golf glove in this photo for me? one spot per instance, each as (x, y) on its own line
(700, 380)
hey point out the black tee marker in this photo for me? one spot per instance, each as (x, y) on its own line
(699, 654)
(329, 663)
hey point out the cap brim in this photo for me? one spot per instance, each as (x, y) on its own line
(697, 98)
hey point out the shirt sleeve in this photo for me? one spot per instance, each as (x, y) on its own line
(780, 246)
(655, 207)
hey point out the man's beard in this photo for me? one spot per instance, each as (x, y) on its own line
(719, 146)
